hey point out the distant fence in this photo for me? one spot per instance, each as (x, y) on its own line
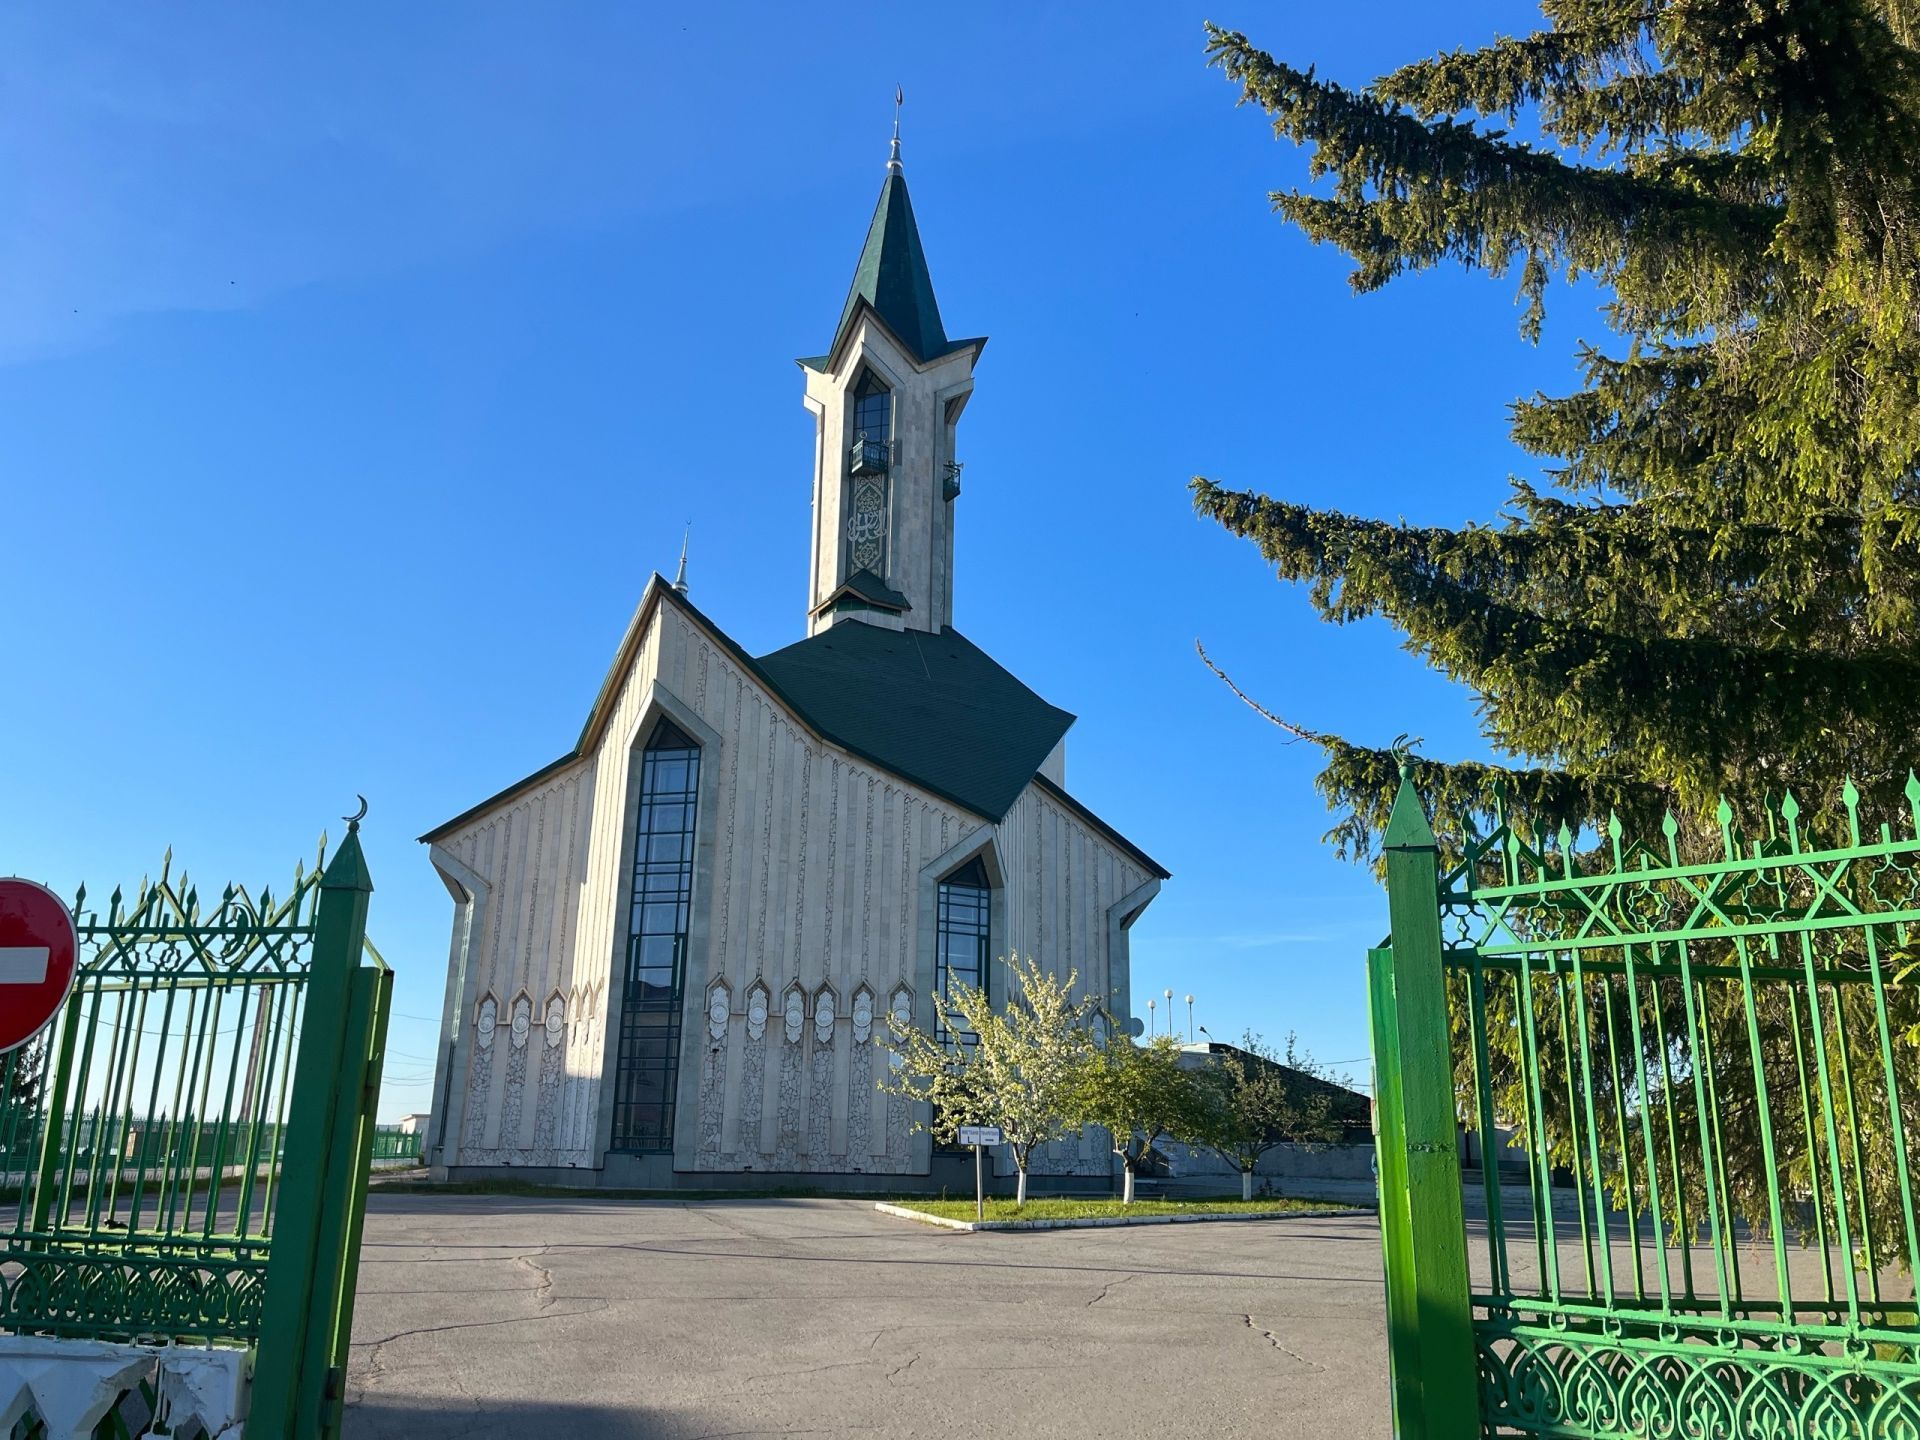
(392, 1144)
(186, 1146)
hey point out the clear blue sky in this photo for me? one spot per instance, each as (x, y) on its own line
(358, 364)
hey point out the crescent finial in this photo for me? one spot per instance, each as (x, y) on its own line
(354, 819)
(1402, 752)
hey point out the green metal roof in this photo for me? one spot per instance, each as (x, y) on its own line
(892, 277)
(934, 709)
(871, 588)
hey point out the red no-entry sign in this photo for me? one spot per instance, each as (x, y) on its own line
(39, 953)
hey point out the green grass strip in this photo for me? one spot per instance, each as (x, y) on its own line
(1101, 1209)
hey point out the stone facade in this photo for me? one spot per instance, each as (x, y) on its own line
(814, 883)
(816, 862)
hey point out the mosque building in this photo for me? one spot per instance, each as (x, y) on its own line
(675, 948)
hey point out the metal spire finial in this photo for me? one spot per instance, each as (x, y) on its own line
(680, 580)
(893, 160)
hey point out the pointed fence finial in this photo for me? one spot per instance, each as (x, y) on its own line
(680, 579)
(1407, 826)
(893, 159)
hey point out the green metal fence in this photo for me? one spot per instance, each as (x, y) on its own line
(186, 1148)
(392, 1145)
(1707, 1074)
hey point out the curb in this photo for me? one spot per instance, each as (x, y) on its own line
(1103, 1222)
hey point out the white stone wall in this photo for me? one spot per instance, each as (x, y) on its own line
(813, 890)
(1062, 882)
(813, 900)
(533, 855)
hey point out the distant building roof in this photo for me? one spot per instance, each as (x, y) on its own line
(1351, 1108)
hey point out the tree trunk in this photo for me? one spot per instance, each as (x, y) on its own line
(1246, 1184)
(1126, 1192)
(1020, 1189)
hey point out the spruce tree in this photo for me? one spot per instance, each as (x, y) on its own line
(1711, 586)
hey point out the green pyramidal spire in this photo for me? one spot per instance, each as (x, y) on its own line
(892, 275)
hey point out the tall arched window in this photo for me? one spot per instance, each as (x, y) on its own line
(656, 969)
(964, 929)
(873, 412)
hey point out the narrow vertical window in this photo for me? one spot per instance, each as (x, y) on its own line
(655, 979)
(869, 460)
(964, 932)
(873, 415)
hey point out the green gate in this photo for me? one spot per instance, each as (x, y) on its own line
(187, 1146)
(1694, 1090)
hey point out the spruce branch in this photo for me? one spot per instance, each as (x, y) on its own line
(1295, 733)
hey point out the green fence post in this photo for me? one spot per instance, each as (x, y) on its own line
(1429, 1305)
(373, 1003)
(296, 1332)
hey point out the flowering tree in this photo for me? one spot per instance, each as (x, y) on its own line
(1020, 1071)
(1139, 1095)
(1256, 1100)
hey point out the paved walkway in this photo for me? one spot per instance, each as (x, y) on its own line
(585, 1319)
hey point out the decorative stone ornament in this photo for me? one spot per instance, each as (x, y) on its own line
(556, 1023)
(719, 1008)
(756, 1011)
(795, 1008)
(522, 1022)
(867, 526)
(487, 1021)
(862, 1015)
(823, 1015)
(902, 1007)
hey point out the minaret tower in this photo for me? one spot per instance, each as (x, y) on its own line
(886, 399)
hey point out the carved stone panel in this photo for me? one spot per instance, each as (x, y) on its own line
(719, 1009)
(823, 1015)
(862, 1015)
(757, 1005)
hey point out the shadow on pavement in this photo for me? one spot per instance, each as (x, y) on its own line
(393, 1417)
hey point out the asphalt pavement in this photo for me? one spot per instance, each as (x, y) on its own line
(594, 1319)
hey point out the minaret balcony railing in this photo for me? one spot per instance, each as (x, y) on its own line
(869, 456)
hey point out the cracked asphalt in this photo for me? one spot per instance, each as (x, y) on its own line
(484, 1315)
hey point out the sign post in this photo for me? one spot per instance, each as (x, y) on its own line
(39, 955)
(977, 1136)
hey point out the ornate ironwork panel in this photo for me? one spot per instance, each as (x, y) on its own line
(141, 1133)
(1692, 1067)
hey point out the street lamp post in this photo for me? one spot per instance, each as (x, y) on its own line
(1189, 1019)
(1169, 995)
